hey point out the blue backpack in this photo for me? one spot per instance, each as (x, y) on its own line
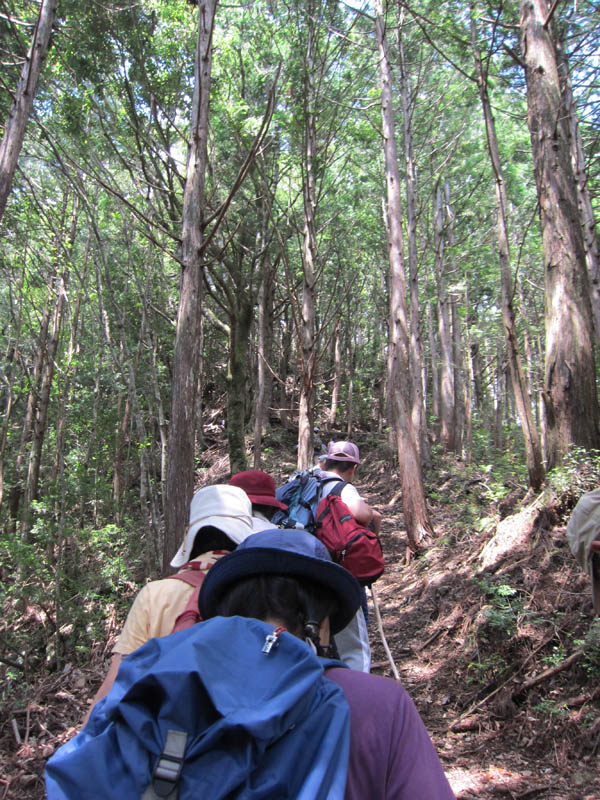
(301, 494)
(223, 709)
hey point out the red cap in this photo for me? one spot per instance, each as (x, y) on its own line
(259, 486)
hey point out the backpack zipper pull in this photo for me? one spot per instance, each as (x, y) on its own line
(272, 640)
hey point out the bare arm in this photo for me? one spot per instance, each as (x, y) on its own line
(595, 546)
(106, 685)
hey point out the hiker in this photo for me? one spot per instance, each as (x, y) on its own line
(342, 462)
(583, 534)
(242, 705)
(287, 579)
(220, 518)
(260, 488)
(353, 650)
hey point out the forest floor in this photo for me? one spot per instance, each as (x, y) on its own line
(491, 630)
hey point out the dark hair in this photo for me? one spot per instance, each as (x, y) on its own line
(339, 466)
(209, 538)
(266, 511)
(300, 605)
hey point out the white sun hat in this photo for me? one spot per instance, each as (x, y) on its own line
(227, 508)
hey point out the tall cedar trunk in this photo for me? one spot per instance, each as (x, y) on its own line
(309, 249)
(533, 447)
(264, 380)
(457, 360)
(584, 198)
(416, 517)
(469, 382)
(435, 362)
(571, 404)
(182, 428)
(14, 131)
(447, 410)
(337, 377)
(237, 389)
(350, 390)
(416, 360)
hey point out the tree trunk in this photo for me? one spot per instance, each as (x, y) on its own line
(182, 427)
(447, 410)
(337, 377)
(533, 447)
(309, 249)
(584, 198)
(416, 517)
(237, 389)
(264, 380)
(416, 359)
(14, 131)
(41, 415)
(571, 404)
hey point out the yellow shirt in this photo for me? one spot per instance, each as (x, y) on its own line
(157, 606)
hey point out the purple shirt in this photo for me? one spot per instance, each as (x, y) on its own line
(391, 754)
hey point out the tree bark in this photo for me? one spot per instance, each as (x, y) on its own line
(416, 517)
(14, 131)
(309, 250)
(533, 447)
(182, 427)
(447, 409)
(584, 198)
(417, 358)
(571, 404)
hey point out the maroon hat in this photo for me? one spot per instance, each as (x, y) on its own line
(259, 487)
(343, 451)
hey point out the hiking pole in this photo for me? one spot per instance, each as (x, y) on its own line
(382, 634)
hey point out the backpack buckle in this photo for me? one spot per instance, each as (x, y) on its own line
(169, 765)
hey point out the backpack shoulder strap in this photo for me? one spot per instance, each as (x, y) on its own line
(192, 574)
(338, 488)
(165, 778)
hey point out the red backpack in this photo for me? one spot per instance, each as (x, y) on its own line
(349, 543)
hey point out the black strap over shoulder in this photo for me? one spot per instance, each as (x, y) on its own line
(339, 488)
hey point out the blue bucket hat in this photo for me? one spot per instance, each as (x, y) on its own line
(295, 553)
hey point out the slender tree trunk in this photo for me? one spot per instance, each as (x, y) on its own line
(469, 382)
(264, 379)
(237, 389)
(41, 415)
(337, 377)
(533, 448)
(309, 250)
(571, 404)
(182, 427)
(416, 517)
(447, 410)
(416, 359)
(14, 131)
(435, 362)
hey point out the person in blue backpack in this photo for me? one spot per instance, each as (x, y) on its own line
(220, 518)
(241, 706)
(288, 579)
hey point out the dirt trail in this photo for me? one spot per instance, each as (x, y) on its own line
(466, 640)
(492, 657)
